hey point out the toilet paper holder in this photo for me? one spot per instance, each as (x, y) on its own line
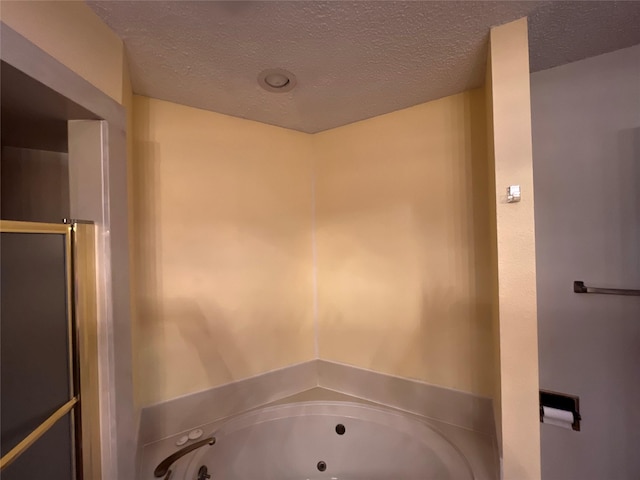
(561, 401)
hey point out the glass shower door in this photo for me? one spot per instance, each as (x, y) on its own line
(39, 414)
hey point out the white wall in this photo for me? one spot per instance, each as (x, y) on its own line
(586, 146)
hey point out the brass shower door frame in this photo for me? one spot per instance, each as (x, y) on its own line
(82, 330)
(83, 238)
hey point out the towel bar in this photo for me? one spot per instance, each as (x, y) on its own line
(580, 287)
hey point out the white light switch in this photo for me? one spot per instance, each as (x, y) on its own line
(513, 193)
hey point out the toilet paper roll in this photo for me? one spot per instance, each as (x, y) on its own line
(554, 416)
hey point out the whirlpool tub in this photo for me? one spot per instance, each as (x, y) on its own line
(325, 440)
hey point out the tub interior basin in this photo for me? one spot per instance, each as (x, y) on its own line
(329, 441)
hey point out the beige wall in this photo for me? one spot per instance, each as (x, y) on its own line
(223, 259)
(223, 254)
(127, 103)
(74, 35)
(403, 241)
(510, 105)
(493, 285)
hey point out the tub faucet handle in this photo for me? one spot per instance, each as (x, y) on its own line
(163, 467)
(203, 473)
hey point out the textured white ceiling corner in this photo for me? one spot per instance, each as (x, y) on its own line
(562, 32)
(352, 60)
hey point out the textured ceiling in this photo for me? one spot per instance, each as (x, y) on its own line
(352, 60)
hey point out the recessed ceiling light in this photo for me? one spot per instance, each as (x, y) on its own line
(277, 80)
